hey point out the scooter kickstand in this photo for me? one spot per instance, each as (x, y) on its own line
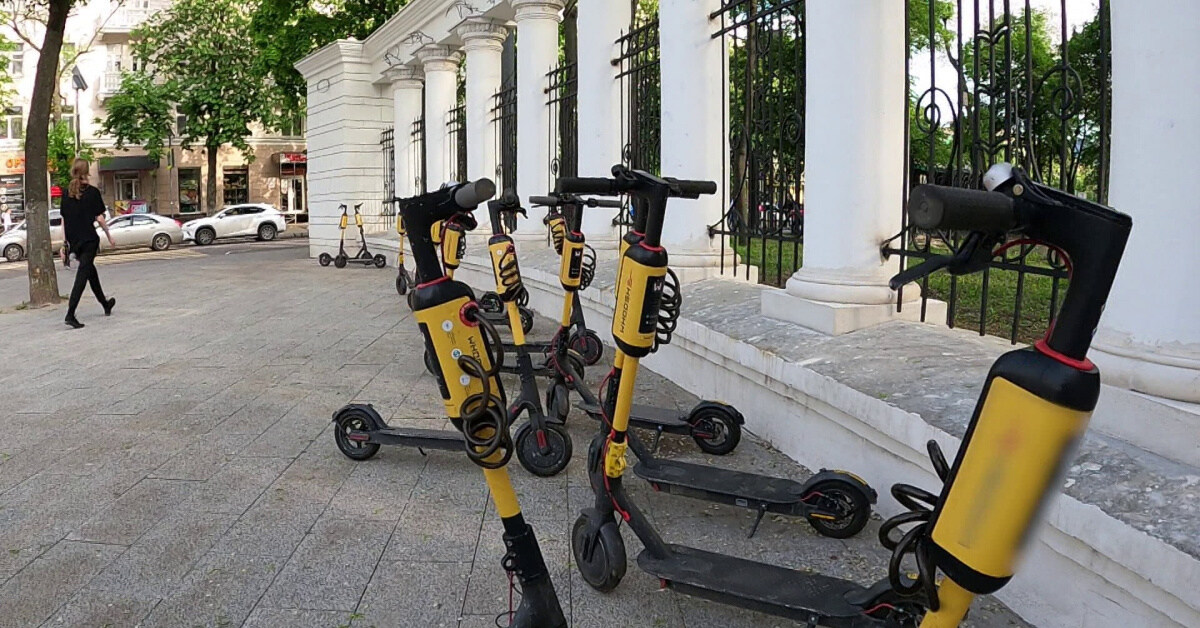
(658, 432)
(422, 450)
(762, 511)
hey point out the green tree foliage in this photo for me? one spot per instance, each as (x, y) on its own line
(199, 59)
(286, 31)
(60, 152)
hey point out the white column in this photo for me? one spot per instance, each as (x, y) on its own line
(406, 107)
(599, 105)
(537, 54)
(1149, 339)
(694, 132)
(483, 42)
(854, 167)
(441, 95)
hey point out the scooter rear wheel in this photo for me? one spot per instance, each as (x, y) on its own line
(379, 260)
(548, 462)
(324, 259)
(354, 420)
(588, 345)
(558, 401)
(340, 261)
(430, 365)
(715, 430)
(845, 498)
(401, 284)
(599, 553)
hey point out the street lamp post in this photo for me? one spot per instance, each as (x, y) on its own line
(80, 84)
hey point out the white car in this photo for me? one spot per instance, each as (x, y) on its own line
(128, 231)
(253, 219)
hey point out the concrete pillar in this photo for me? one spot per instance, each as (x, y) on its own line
(441, 95)
(406, 107)
(599, 106)
(537, 54)
(695, 138)
(1149, 339)
(854, 167)
(483, 42)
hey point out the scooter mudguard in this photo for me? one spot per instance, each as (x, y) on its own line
(720, 406)
(377, 422)
(844, 476)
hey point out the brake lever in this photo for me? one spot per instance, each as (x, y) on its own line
(927, 267)
(972, 257)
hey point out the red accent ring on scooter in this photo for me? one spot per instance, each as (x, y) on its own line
(468, 308)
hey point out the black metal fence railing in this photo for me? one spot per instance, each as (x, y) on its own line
(641, 98)
(387, 144)
(416, 151)
(1004, 81)
(504, 126)
(562, 94)
(456, 131)
(764, 222)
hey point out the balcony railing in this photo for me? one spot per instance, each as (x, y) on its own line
(127, 18)
(110, 83)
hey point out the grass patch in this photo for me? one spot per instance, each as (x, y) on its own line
(777, 261)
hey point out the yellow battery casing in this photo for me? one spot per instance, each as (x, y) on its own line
(570, 271)
(450, 338)
(638, 293)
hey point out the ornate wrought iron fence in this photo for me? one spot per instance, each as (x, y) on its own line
(416, 148)
(641, 98)
(562, 94)
(456, 131)
(387, 143)
(1006, 82)
(504, 126)
(765, 68)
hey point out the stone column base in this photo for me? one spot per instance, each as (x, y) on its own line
(842, 318)
(691, 267)
(1171, 371)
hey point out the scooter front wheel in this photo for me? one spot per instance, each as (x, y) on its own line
(379, 260)
(588, 345)
(350, 424)
(841, 509)
(715, 430)
(599, 552)
(558, 401)
(545, 454)
(324, 259)
(430, 365)
(340, 261)
(401, 283)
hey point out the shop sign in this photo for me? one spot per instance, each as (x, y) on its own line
(293, 158)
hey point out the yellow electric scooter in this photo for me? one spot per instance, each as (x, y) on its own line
(465, 348)
(1034, 406)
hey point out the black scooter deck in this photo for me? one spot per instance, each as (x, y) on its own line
(736, 487)
(645, 414)
(416, 437)
(813, 598)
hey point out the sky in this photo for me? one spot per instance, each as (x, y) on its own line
(1079, 12)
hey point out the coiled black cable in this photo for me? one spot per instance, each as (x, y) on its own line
(668, 310)
(558, 232)
(484, 415)
(510, 277)
(587, 268)
(921, 504)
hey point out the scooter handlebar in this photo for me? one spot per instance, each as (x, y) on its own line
(470, 195)
(959, 209)
(588, 185)
(693, 189)
(556, 201)
(544, 201)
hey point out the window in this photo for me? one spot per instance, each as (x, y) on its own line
(293, 126)
(143, 221)
(189, 190)
(127, 187)
(16, 61)
(180, 125)
(12, 126)
(120, 222)
(56, 221)
(67, 115)
(237, 185)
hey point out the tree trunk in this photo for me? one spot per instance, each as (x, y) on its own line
(43, 281)
(211, 152)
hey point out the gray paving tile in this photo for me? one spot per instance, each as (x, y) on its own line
(446, 532)
(133, 513)
(236, 486)
(433, 595)
(378, 489)
(93, 609)
(154, 566)
(296, 618)
(219, 591)
(331, 567)
(33, 594)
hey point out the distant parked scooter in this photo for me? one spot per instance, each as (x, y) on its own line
(363, 256)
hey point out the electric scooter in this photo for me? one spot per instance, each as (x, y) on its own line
(462, 341)
(716, 427)
(403, 278)
(836, 503)
(544, 448)
(1034, 406)
(363, 256)
(453, 242)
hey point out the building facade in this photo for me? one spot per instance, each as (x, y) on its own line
(176, 184)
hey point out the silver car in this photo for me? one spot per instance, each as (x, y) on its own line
(129, 231)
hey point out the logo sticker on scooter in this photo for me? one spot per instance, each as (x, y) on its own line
(447, 325)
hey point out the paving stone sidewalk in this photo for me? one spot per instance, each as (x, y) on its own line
(173, 465)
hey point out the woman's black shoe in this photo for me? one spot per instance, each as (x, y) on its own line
(108, 307)
(73, 322)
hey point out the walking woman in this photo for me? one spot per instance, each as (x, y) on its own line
(82, 207)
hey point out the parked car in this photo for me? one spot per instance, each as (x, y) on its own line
(253, 219)
(12, 243)
(129, 231)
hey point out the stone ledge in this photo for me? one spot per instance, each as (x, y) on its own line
(871, 399)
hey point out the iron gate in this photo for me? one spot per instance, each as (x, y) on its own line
(562, 94)
(416, 151)
(456, 132)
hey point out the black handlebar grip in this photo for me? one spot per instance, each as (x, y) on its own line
(605, 202)
(695, 188)
(470, 195)
(544, 201)
(960, 209)
(587, 185)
